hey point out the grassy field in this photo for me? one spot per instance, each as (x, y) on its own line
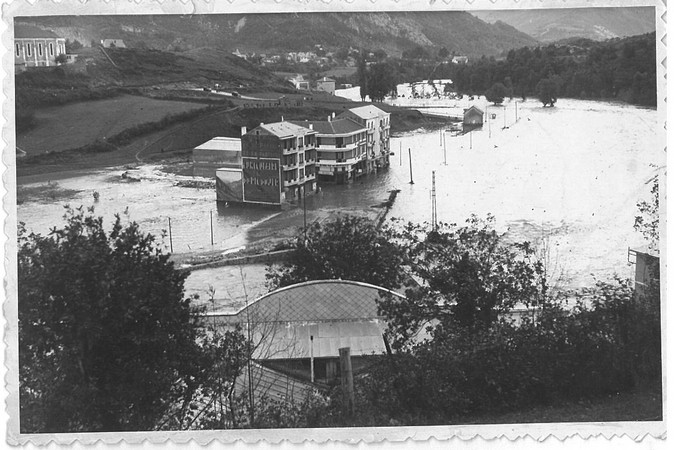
(78, 124)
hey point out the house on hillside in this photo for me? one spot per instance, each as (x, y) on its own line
(299, 82)
(112, 43)
(35, 47)
(473, 117)
(326, 84)
(378, 125)
(460, 60)
(298, 330)
(341, 145)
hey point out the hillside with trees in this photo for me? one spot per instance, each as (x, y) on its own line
(618, 69)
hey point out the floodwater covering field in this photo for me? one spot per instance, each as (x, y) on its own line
(569, 175)
(78, 124)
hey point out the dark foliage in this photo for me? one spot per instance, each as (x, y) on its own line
(470, 276)
(618, 69)
(347, 248)
(496, 93)
(107, 341)
(609, 346)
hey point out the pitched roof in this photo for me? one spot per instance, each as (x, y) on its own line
(273, 385)
(221, 143)
(336, 126)
(367, 112)
(25, 31)
(327, 79)
(284, 129)
(473, 108)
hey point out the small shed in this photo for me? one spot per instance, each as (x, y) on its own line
(219, 152)
(113, 43)
(298, 330)
(647, 268)
(473, 117)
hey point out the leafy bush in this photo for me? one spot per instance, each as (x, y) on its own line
(609, 343)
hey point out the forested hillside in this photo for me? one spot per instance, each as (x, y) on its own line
(618, 69)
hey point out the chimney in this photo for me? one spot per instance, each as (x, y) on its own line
(281, 118)
(329, 117)
(261, 123)
(311, 126)
(243, 131)
(333, 114)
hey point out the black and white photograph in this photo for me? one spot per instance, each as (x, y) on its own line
(428, 219)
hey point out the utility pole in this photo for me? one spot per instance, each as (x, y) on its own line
(347, 381)
(401, 153)
(170, 235)
(504, 116)
(471, 139)
(434, 206)
(304, 204)
(444, 147)
(311, 338)
(410, 152)
(211, 227)
(516, 119)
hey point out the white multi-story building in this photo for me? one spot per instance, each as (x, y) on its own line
(378, 125)
(341, 146)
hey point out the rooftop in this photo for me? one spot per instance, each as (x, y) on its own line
(25, 31)
(367, 112)
(221, 143)
(285, 129)
(335, 126)
(314, 301)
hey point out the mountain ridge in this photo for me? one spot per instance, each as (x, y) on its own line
(395, 32)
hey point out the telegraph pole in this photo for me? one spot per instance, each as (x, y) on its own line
(410, 153)
(444, 146)
(434, 206)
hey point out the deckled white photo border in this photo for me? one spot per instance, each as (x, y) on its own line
(647, 432)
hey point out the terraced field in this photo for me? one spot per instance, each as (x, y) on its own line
(78, 124)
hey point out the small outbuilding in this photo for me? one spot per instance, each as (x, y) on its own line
(473, 117)
(326, 84)
(219, 152)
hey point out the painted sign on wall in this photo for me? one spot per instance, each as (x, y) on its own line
(262, 180)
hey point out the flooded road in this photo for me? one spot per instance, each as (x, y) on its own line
(571, 175)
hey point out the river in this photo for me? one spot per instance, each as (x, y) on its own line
(571, 174)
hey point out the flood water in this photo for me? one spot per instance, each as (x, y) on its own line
(572, 174)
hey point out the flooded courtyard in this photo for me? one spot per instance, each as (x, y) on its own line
(570, 175)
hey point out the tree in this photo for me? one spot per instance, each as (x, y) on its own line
(496, 93)
(348, 248)
(107, 340)
(72, 47)
(443, 53)
(382, 81)
(61, 59)
(469, 274)
(648, 220)
(362, 77)
(547, 91)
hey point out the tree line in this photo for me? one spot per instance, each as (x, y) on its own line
(622, 69)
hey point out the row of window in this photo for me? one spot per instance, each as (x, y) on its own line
(29, 49)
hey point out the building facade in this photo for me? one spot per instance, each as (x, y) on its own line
(473, 117)
(341, 146)
(35, 47)
(279, 163)
(378, 128)
(326, 84)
